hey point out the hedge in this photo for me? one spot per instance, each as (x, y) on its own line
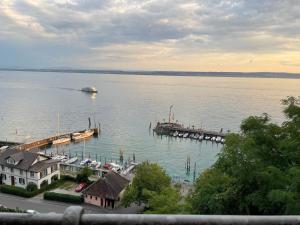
(17, 191)
(16, 210)
(8, 189)
(62, 197)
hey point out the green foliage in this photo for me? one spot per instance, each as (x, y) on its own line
(258, 170)
(62, 197)
(84, 174)
(31, 187)
(8, 189)
(148, 178)
(17, 191)
(165, 202)
(16, 210)
(152, 187)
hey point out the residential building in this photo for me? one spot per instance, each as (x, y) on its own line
(107, 191)
(19, 168)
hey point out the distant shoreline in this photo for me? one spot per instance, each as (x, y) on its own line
(168, 73)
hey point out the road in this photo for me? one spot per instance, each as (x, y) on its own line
(43, 206)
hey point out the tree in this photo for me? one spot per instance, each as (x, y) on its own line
(84, 174)
(149, 178)
(258, 170)
(165, 202)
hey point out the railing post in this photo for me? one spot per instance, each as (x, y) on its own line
(72, 215)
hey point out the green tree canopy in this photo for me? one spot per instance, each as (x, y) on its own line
(152, 187)
(258, 170)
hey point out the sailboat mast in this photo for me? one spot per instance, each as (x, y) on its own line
(57, 124)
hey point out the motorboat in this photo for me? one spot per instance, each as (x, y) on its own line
(180, 134)
(218, 139)
(192, 136)
(196, 136)
(201, 137)
(82, 135)
(175, 134)
(222, 140)
(71, 160)
(94, 164)
(213, 138)
(186, 135)
(89, 90)
(207, 138)
(85, 162)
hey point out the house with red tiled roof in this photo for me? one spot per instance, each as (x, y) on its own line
(107, 191)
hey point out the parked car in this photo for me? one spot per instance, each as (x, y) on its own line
(80, 187)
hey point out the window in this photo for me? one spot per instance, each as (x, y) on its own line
(12, 170)
(3, 176)
(31, 174)
(91, 197)
(45, 172)
(2, 168)
(21, 181)
(96, 198)
(21, 172)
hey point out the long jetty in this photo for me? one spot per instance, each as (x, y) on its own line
(48, 141)
(170, 128)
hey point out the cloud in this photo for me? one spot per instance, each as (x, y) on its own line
(128, 30)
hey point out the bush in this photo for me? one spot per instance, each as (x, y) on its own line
(31, 187)
(62, 197)
(17, 191)
(67, 178)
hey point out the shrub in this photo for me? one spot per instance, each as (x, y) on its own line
(62, 197)
(17, 191)
(67, 178)
(31, 187)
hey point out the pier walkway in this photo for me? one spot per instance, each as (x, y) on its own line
(48, 141)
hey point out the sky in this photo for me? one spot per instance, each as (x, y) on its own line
(182, 35)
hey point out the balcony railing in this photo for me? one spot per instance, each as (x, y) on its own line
(74, 216)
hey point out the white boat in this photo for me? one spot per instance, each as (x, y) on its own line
(175, 134)
(186, 135)
(213, 138)
(71, 160)
(95, 165)
(192, 136)
(201, 137)
(82, 135)
(207, 138)
(196, 136)
(218, 139)
(180, 134)
(89, 90)
(222, 140)
(85, 162)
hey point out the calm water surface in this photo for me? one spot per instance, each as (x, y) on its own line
(125, 105)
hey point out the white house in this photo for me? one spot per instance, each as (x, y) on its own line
(19, 168)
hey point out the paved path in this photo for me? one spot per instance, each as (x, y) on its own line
(44, 206)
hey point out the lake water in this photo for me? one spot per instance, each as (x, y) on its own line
(126, 104)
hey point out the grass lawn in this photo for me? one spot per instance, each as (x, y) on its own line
(68, 185)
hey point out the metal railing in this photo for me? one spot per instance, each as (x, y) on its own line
(74, 216)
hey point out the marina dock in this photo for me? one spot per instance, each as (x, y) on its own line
(178, 130)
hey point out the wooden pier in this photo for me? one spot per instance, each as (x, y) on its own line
(48, 141)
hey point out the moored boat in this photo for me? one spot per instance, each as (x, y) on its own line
(62, 140)
(82, 135)
(71, 160)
